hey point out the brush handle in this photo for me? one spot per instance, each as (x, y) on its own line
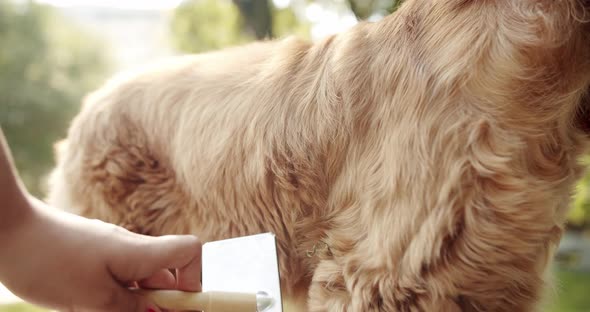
(211, 301)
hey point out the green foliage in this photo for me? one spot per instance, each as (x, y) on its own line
(204, 25)
(580, 213)
(46, 66)
(394, 5)
(285, 23)
(362, 9)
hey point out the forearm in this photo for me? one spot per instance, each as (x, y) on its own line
(14, 206)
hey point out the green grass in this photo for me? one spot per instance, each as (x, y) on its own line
(573, 292)
(573, 295)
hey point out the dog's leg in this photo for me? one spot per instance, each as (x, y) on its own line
(329, 293)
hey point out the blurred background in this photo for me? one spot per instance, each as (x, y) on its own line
(52, 52)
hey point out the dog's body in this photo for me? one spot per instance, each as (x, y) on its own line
(434, 153)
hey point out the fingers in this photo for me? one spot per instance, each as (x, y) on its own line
(178, 251)
(189, 276)
(162, 279)
(144, 256)
(123, 300)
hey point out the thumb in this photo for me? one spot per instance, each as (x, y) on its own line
(144, 256)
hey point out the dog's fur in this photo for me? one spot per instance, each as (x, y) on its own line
(434, 152)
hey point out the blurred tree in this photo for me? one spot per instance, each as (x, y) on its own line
(257, 16)
(46, 66)
(203, 25)
(394, 5)
(362, 9)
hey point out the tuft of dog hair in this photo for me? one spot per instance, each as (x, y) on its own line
(433, 152)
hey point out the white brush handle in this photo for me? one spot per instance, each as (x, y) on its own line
(211, 301)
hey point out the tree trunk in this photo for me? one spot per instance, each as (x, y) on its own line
(257, 15)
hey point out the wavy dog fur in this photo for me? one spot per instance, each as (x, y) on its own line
(433, 151)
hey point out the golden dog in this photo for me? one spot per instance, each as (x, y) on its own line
(420, 163)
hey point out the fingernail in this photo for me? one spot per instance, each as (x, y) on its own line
(151, 310)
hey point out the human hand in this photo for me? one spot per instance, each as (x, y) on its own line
(66, 262)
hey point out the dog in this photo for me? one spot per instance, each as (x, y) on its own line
(423, 162)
